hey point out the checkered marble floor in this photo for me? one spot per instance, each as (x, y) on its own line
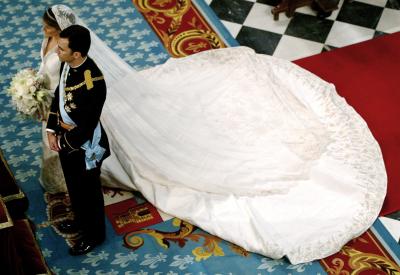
(252, 24)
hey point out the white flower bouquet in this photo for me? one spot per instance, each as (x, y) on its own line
(29, 95)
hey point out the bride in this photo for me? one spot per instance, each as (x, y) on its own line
(51, 175)
(248, 147)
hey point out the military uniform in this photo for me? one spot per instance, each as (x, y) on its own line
(83, 96)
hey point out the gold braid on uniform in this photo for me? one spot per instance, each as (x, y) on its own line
(88, 82)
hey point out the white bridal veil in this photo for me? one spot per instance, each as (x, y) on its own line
(248, 147)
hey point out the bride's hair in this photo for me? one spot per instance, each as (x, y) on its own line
(50, 19)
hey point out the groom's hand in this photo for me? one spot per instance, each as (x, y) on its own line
(53, 142)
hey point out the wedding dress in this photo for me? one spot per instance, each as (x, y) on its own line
(51, 175)
(248, 147)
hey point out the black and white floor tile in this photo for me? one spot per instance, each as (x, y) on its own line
(304, 34)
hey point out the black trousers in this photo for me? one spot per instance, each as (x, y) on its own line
(84, 188)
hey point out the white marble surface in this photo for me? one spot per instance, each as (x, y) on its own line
(233, 28)
(292, 48)
(393, 226)
(344, 34)
(260, 17)
(390, 21)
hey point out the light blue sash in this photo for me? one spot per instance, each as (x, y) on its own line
(93, 151)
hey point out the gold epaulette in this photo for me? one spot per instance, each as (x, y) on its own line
(88, 81)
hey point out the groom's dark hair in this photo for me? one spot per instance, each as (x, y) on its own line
(78, 38)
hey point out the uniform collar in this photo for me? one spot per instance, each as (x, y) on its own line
(76, 67)
(80, 67)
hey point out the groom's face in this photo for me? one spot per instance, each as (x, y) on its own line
(64, 53)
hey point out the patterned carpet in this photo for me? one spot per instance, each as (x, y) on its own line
(185, 27)
(125, 30)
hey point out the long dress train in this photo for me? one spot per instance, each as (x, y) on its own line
(250, 148)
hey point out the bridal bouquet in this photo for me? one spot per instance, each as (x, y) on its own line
(29, 95)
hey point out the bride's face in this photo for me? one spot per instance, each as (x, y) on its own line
(49, 31)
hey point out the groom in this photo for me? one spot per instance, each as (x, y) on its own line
(74, 130)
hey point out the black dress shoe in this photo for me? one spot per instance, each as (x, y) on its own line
(83, 247)
(67, 227)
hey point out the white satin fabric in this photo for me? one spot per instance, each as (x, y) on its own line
(250, 148)
(50, 66)
(51, 175)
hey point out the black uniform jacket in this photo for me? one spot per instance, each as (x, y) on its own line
(85, 94)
